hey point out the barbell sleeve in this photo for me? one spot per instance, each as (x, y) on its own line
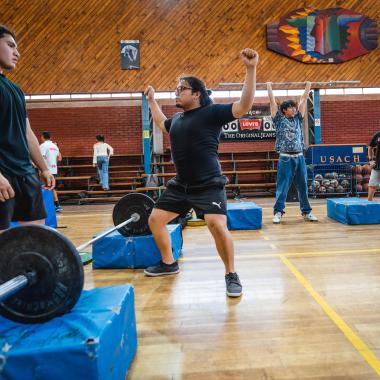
(20, 282)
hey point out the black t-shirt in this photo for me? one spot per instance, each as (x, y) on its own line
(194, 138)
(375, 143)
(14, 151)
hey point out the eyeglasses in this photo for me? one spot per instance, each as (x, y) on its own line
(180, 89)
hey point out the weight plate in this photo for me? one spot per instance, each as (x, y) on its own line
(133, 203)
(58, 268)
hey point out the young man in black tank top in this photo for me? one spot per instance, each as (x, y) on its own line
(20, 188)
(199, 183)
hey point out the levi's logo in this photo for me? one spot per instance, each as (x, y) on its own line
(250, 124)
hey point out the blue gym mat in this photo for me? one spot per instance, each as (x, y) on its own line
(97, 340)
(353, 210)
(244, 216)
(118, 251)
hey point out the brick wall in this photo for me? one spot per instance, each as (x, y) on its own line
(349, 122)
(75, 128)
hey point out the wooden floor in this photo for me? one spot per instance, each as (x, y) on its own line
(310, 307)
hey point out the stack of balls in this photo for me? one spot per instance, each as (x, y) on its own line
(330, 183)
(361, 175)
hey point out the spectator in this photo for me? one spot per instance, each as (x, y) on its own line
(50, 152)
(102, 154)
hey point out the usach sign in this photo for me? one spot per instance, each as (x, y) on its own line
(336, 154)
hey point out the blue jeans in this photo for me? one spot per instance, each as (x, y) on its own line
(287, 169)
(102, 162)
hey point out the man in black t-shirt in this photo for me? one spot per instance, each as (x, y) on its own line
(20, 188)
(199, 183)
(374, 158)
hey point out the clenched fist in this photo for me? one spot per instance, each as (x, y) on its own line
(149, 93)
(250, 57)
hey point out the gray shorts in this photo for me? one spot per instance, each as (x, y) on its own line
(374, 180)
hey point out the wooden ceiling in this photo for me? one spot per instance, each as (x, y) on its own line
(73, 45)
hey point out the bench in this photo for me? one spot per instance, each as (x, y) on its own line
(226, 172)
(83, 178)
(117, 184)
(98, 199)
(103, 192)
(68, 159)
(91, 166)
(167, 163)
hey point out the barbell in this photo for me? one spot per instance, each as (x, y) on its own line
(329, 83)
(41, 273)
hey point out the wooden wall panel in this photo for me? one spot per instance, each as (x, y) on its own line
(73, 45)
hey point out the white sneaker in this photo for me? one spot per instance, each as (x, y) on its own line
(310, 217)
(277, 217)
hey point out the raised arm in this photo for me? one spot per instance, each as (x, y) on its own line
(158, 116)
(303, 101)
(250, 59)
(272, 100)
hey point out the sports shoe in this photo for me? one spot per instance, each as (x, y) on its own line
(310, 217)
(58, 209)
(233, 285)
(277, 217)
(162, 269)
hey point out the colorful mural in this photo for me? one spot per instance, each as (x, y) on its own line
(331, 35)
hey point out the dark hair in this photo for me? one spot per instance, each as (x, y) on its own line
(99, 137)
(287, 104)
(198, 85)
(4, 30)
(46, 135)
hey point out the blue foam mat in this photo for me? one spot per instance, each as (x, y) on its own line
(96, 340)
(244, 216)
(353, 210)
(118, 251)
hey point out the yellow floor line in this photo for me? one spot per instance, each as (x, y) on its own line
(355, 340)
(271, 255)
(216, 256)
(296, 254)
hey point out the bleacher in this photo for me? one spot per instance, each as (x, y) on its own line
(249, 174)
(77, 180)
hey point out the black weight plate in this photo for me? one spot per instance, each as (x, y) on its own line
(130, 204)
(58, 267)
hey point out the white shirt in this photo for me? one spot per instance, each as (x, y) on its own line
(102, 149)
(50, 153)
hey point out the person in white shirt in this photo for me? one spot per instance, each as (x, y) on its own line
(102, 154)
(50, 153)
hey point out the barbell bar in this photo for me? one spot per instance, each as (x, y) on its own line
(41, 269)
(135, 217)
(329, 83)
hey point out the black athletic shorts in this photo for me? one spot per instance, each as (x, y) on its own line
(27, 204)
(205, 198)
